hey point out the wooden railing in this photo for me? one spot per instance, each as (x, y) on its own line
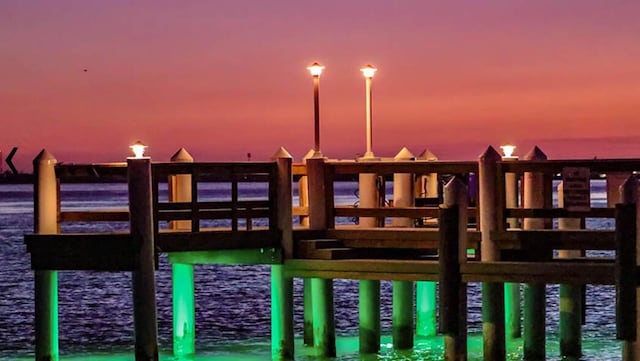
(546, 240)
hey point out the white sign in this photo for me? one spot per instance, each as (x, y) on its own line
(576, 186)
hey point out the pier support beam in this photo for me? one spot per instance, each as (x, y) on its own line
(426, 309)
(512, 294)
(369, 290)
(402, 315)
(303, 201)
(282, 345)
(426, 304)
(535, 196)
(46, 210)
(324, 337)
(369, 315)
(324, 330)
(143, 275)
(570, 296)
(402, 322)
(452, 253)
(627, 260)
(182, 280)
(493, 332)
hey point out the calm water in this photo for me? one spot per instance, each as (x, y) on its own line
(232, 303)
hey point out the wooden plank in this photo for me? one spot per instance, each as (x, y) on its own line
(383, 269)
(391, 234)
(95, 216)
(539, 272)
(555, 239)
(558, 213)
(362, 275)
(555, 166)
(95, 172)
(176, 206)
(201, 241)
(391, 243)
(417, 167)
(219, 171)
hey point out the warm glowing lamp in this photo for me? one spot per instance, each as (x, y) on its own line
(368, 71)
(138, 149)
(507, 151)
(315, 69)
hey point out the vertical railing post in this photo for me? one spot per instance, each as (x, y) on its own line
(627, 260)
(492, 293)
(143, 275)
(182, 281)
(452, 253)
(402, 313)
(282, 347)
(322, 289)
(534, 293)
(426, 186)
(45, 201)
(570, 296)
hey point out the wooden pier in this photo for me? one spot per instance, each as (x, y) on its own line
(482, 226)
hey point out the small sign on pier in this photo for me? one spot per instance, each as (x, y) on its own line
(577, 191)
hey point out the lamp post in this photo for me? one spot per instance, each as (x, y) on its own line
(316, 69)
(368, 71)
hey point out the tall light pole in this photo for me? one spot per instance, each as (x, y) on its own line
(316, 69)
(368, 71)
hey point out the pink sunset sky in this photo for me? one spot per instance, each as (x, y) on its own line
(224, 78)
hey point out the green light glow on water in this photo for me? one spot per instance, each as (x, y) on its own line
(426, 349)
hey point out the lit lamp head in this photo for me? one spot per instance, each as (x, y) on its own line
(315, 69)
(368, 71)
(507, 151)
(138, 149)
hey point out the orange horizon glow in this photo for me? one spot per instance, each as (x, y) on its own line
(223, 79)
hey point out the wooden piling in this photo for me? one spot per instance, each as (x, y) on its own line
(143, 275)
(45, 194)
(369, 315)
(627, 259)
(570, 296)
(453, 252)
(534, 294)
(303, 201)
(369, 290)
(322, 289)
(402, 313)
(512, 294)
(426, 186)
(182, 280)
(493, 330)
(282, 345)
